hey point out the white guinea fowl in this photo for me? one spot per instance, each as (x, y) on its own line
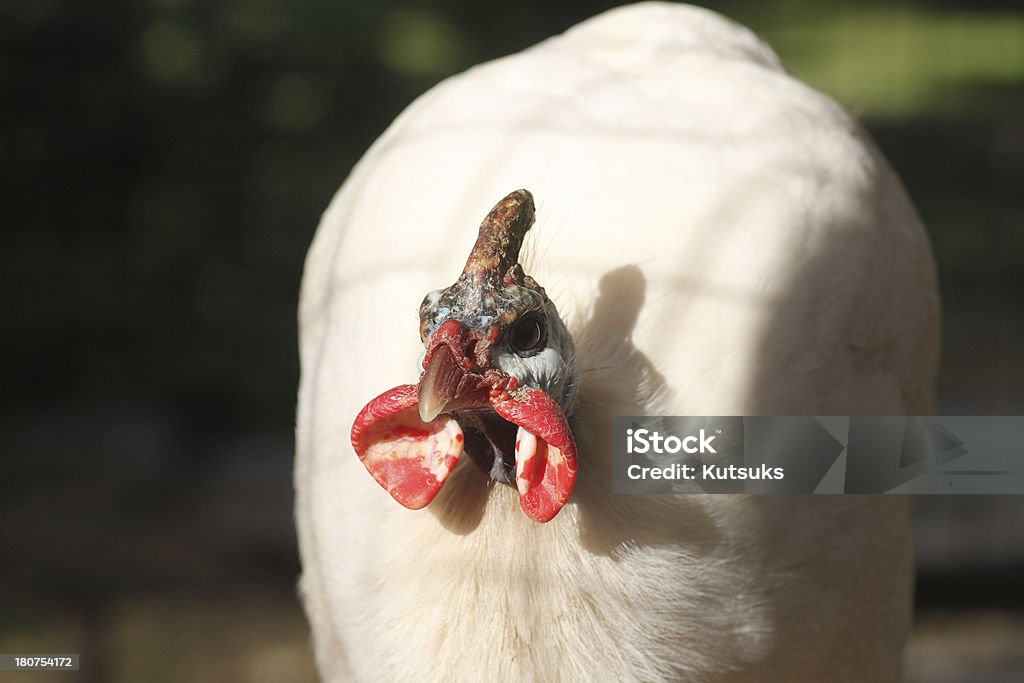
(719, 239)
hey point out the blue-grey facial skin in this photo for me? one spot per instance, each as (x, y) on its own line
(553, 369)
(478, 302)
(478, 305)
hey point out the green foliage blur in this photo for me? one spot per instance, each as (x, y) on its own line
(166, 162)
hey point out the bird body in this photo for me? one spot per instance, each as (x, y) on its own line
(719, 239)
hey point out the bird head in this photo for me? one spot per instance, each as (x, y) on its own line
(498, 381)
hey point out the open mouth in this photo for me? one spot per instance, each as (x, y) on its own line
(490, 443)
(411, 437)
(454, 382)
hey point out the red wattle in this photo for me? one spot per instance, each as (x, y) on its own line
(549, 475)
(410, 458)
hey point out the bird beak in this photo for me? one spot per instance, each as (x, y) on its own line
(446, 384)
(438, 385)
(410, 442)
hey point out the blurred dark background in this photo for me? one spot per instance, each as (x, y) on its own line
(164, 164)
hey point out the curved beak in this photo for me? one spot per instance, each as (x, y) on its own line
(450, 380)
(438, 385)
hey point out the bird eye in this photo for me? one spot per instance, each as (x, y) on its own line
(527, 336)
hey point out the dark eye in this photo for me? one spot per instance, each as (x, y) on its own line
(527, 335)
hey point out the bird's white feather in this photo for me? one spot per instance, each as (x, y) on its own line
(720, 239)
